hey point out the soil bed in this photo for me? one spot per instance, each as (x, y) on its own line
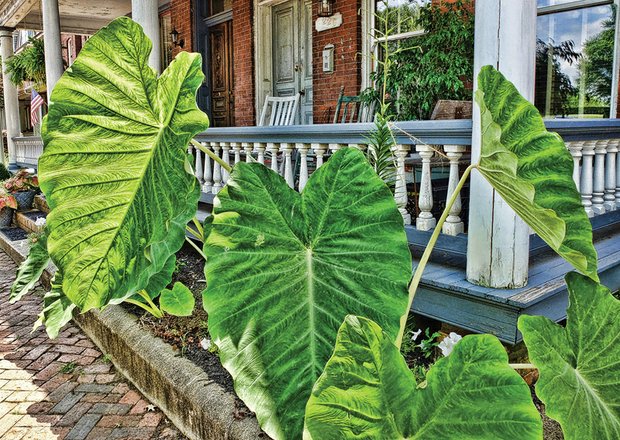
(186, 333)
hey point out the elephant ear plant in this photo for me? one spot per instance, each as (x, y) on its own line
(116, 173)
(285, 269)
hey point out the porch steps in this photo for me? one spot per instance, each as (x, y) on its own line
(446, 295)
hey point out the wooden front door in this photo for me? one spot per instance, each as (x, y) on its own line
(221, 75)
(292, 53)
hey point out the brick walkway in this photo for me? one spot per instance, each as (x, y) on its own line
(65, 388)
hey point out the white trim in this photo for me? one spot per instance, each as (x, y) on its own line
(366, 13)
(615, 71)
(263, 78)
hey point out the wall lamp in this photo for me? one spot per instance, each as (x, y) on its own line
(326, 8)
(175, 38)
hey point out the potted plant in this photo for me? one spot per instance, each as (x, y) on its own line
(23, 186)
(7, 205)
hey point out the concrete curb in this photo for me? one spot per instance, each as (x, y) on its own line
(199, 408)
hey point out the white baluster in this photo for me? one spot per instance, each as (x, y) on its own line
(575, 151)
(360, 147)
(273, 149)
(247, 148)
(260, 148)
(400, 189)
(319, 151)
(586, 176)
(236, 147)
(599, 178)
(617, 141)
(287, 149)
(334, 147)
(226, 159)
(303, 165)
(217, 170)
(207, 186)
(425, 220)
(453, 224)
(610, 174)
(198, 165)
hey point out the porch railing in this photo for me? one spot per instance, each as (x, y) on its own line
(428, 154)
(27, 150)
(422, 147)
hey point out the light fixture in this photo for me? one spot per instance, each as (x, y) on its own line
(326, 8)
(175, 38)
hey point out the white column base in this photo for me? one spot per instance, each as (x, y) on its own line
(425, 224)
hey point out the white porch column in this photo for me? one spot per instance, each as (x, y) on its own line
(146, 14)
(498, 240)
(11, 102)
(53, 46)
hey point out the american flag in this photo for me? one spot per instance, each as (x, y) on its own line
(36, 102)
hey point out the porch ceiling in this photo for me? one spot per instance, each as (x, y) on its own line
(76, 16)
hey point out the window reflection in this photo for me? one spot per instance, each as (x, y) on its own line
(574, 62)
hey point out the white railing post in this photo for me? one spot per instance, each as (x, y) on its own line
(454, 225)
(287, 149)
(217, 170)
(334, 147)
(610, 175)
(207, 186)
(247, 148)
(198, 170)
(425, 220)
(586, 176)
(260, 149)
(617, 176)
(319, 151)
(273, 149)
(400, 188)
(598, 192)
(236, 147)
(303, 164)
(226, 159)
(575, 150)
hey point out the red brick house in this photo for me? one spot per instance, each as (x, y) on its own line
(252, 48)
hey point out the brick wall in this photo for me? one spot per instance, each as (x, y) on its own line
(243, 58)
(347, 40)
(181, 12)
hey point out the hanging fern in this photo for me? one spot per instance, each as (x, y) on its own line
(28, 65)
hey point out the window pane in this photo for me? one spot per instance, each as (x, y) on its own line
(217, 6)
(574, 62)
(400, 16)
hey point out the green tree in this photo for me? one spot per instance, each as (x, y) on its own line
(597, 63)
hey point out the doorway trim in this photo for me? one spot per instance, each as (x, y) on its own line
(263, 51)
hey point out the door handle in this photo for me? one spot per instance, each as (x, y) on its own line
(297, 68)
(302, 92)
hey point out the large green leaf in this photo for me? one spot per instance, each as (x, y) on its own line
(57, 309)
(31, 269)
(284, 269)
(115, 168)
(579, 364)
(532, 170)
(367, 392)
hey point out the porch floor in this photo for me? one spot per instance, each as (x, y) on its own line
(446, 295)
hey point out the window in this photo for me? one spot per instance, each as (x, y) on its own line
(575, 58)
(165, 27)
(399, 16)
(218, 6)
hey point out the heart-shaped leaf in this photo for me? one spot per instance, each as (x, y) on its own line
(31, 269)
(367, 391)
(115, 165)
(579, 364)
(532, 170)
(178, 302)
(284, 269)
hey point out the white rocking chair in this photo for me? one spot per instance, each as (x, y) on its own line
(283, 110)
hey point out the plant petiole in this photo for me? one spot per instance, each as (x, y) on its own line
(211, 154)
(417, 276)
(189, 240)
